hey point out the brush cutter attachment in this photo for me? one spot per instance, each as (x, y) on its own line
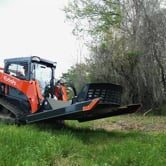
(109, 93)
(95, 101)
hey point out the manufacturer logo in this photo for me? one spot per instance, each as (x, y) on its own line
(11, 81)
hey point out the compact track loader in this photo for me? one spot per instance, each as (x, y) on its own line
(28, 93)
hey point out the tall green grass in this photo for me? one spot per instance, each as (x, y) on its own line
(79, 144)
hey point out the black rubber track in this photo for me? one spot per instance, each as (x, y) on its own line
(14, 116)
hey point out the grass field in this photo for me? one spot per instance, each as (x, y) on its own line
(120, 141)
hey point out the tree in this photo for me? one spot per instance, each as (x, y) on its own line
(77, 76)
(131, 46)
(93, 17)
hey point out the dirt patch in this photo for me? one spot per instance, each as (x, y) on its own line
(123, 125)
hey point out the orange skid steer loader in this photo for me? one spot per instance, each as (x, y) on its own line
(28, 92)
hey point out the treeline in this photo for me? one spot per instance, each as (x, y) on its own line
(127, 42)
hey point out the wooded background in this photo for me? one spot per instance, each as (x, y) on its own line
(127, 42)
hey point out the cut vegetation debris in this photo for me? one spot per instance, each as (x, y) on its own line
(137, 123)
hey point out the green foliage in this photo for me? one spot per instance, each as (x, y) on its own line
(128, 60)
(77, 76)
(161, 110)
(133, 58)
(94, 17)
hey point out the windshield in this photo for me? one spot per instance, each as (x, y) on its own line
(43, 74)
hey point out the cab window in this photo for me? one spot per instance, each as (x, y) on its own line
(19, 70)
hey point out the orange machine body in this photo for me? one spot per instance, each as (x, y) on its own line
(30, 88)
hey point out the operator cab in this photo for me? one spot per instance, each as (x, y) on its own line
(33, 68)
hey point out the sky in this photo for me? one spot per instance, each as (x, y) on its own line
(38, 28)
